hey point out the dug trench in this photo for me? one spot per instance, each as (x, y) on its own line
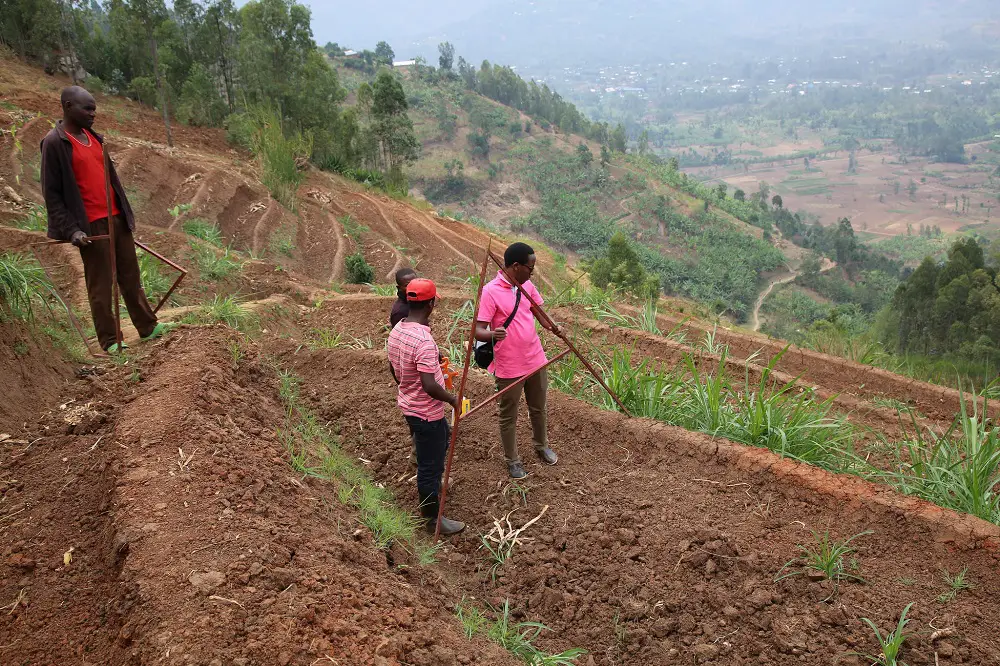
(154, 518)
(663, 545)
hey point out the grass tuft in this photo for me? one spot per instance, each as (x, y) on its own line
(211, 264)
(824, 557)
(890, 644)
(960, 582)
(203, 230)
(516, 637)
(35, 220)
(23, 284)
(232, 312)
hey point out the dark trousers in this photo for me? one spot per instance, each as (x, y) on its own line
(97, 272)
(432, 439)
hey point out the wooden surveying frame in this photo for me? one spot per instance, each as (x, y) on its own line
(551, 325)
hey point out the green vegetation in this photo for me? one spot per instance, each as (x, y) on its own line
(890, 644)
(35, 220)
(515, 637)
(23, 285)
(959, 582)
(359, 271)
(278, 153)
(153, 280)
(825, 557)
(203, 230)
(232, 312)
(212, 264)
(619, 267)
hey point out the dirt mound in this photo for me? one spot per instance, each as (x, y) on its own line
(34, 374)
(195, 542)
(658, 547)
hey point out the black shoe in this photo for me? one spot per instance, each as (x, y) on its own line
(547, 456)
(516, 470)
(429, 506)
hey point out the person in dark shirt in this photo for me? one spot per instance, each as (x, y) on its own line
(400, 308)
(73, 183)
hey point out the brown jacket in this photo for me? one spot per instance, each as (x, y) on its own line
(62, 195)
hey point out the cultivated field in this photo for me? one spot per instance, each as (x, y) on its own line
(237, 493)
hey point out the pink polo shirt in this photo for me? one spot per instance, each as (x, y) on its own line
(412, 350)
(520, 353)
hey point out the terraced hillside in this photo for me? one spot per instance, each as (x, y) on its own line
(236, 493)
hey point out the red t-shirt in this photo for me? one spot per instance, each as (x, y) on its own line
(88, 167)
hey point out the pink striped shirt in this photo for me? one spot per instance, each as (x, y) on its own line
(412, 350)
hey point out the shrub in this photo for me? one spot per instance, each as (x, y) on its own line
(278, 155)
(359, 271)
(22, 283)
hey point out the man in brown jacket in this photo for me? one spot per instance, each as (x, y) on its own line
(73, 182)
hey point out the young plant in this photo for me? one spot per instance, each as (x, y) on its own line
(359, 271)
(647, 318)
(890, 644)
(325, 338)
(34, 220)
(203, 230)
(383, 289)
(23, 283)
(211, 264)
(154, 282)
(230, 311)
(957, 583)
(518, 639)
(824, 557)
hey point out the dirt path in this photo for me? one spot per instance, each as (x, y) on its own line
(755, 316)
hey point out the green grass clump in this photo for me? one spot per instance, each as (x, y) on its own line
(825, 557)
(35, 220)
(890, 644)
(359, 271)
(211, 264)
(959, 582)
(958, 470)
(23, 285)
(383, 289)
(282, 243)
(278, 155)
(154, 282)
(203, 230)
(515, 637)
(230, 311)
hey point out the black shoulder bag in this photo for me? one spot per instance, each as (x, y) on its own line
(483, 351)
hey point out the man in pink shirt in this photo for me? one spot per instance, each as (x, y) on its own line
(517, 352)
(413, 360)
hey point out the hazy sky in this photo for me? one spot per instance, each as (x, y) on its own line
(361, 24)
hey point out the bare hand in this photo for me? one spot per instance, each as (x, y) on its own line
(79, 239)
(499, 334)
(454, 402)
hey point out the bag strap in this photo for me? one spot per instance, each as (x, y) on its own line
(517, 302)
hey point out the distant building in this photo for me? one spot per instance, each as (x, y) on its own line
(350, 53)
(404, 63)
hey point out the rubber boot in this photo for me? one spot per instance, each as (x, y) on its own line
(429, 506)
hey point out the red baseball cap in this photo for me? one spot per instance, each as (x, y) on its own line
(421, 289)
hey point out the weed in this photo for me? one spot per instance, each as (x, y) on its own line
(324, 338)
(891, 644)
(958, 470)
(472, 619)
(178, 210)
(907, 581)
(514, 489)
(204, 230)
(282, 243)
(353, 228)
(362, 343)
(957, 583)
(383, 289)
(277, 155)
(211, 264)
(825, 557)
(136, 376)
(647, 318)
(230, 311)
(518, 639)
(359, 271)
(498, 553)
(35, 220)
(236, 352)
(710, 344)
(20, 348)
(23, 283)
(154, 282)
(66, 339)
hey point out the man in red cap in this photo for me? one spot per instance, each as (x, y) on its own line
(413, 360)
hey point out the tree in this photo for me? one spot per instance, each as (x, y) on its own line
(605, 156)
(619, 140)
(446, 57)
(384, 53)
(720, 191)
(395, 143)
(845, 242)
(620, 267)
(740, 195)
(777, 202)
(644, 142)
(912, 189)
(144, 18)
(584, 155)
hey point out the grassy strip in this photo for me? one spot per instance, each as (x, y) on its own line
(315, 451)
(515, 637)
(23, 284)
